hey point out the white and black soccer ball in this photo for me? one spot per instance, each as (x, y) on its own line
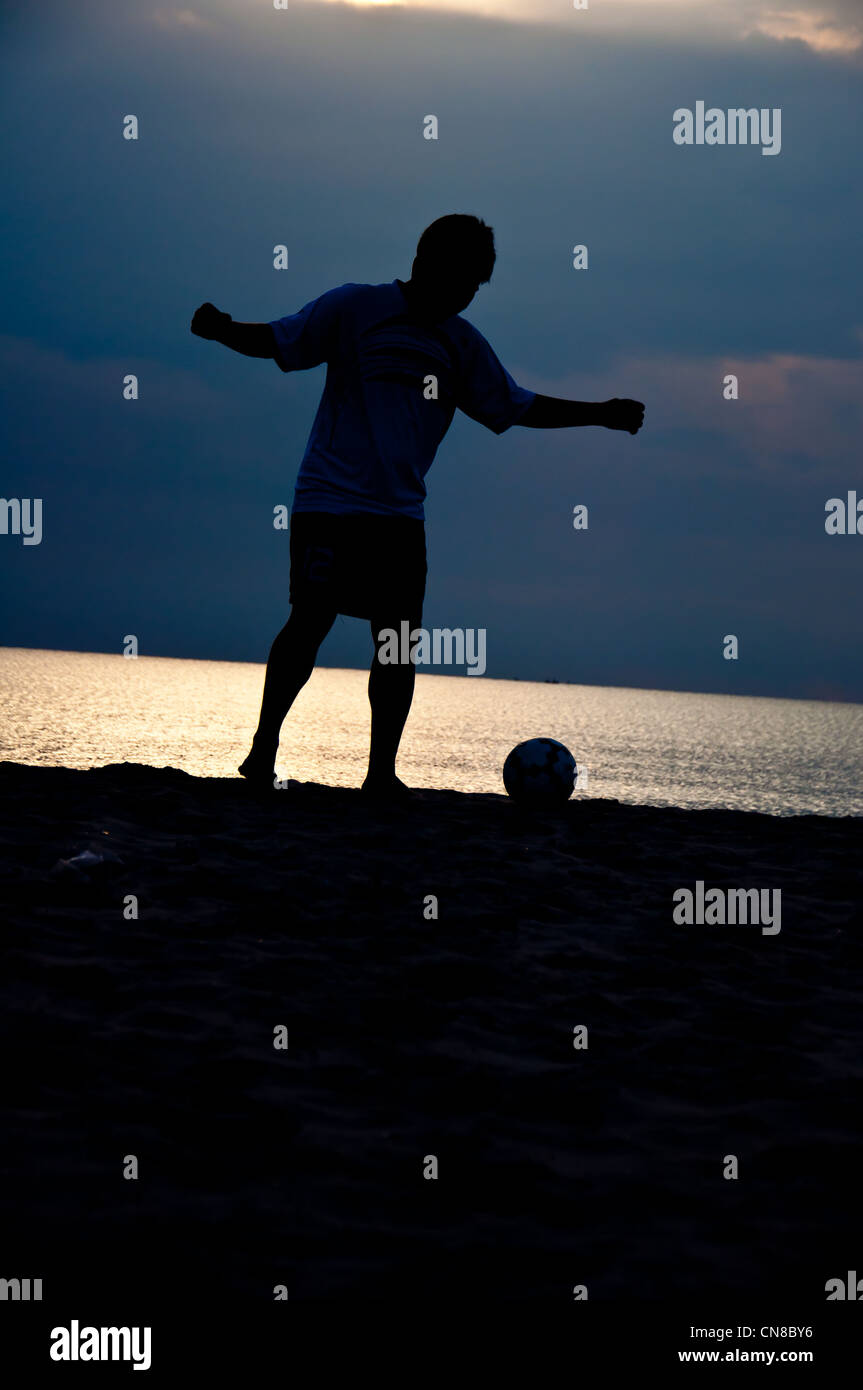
(540, 772)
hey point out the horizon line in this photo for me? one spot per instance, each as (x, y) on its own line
(521, 680)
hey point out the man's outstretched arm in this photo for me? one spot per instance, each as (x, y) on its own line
(251, 339)
(550, 412)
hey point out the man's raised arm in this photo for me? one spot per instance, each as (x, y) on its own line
(550, 412)
(251, 339)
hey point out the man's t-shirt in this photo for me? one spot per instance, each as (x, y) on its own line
(375, 434)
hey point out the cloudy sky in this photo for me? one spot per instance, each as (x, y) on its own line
(304, 126)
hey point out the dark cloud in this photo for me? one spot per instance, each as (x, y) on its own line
(304, 128)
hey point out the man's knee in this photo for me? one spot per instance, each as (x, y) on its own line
(399, 632)
(395, 644)
(302, 634)
(309, 622)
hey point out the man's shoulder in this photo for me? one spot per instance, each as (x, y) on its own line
(359, 300)
(352, 290)
(339, 293)
(466, 335)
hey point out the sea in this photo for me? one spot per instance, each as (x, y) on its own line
(646, 747)
(140, 1000)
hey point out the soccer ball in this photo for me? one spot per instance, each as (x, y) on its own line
(540, 772)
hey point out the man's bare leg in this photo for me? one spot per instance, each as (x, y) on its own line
(391, 690)
(291, 662)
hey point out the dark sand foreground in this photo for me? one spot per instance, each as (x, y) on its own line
(411, 1037)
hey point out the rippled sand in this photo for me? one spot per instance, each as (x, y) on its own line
(411, 1037)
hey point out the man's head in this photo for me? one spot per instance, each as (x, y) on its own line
(455, 255)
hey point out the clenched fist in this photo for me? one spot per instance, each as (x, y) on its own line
(621, 414)
(208, 320)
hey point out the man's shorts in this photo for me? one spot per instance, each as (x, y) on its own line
(362, 565)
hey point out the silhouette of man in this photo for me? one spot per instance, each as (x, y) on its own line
(357, 539)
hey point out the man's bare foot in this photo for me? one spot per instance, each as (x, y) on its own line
(258, 768)
(385, 788)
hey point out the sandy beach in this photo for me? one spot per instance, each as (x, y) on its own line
(413, 1035)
